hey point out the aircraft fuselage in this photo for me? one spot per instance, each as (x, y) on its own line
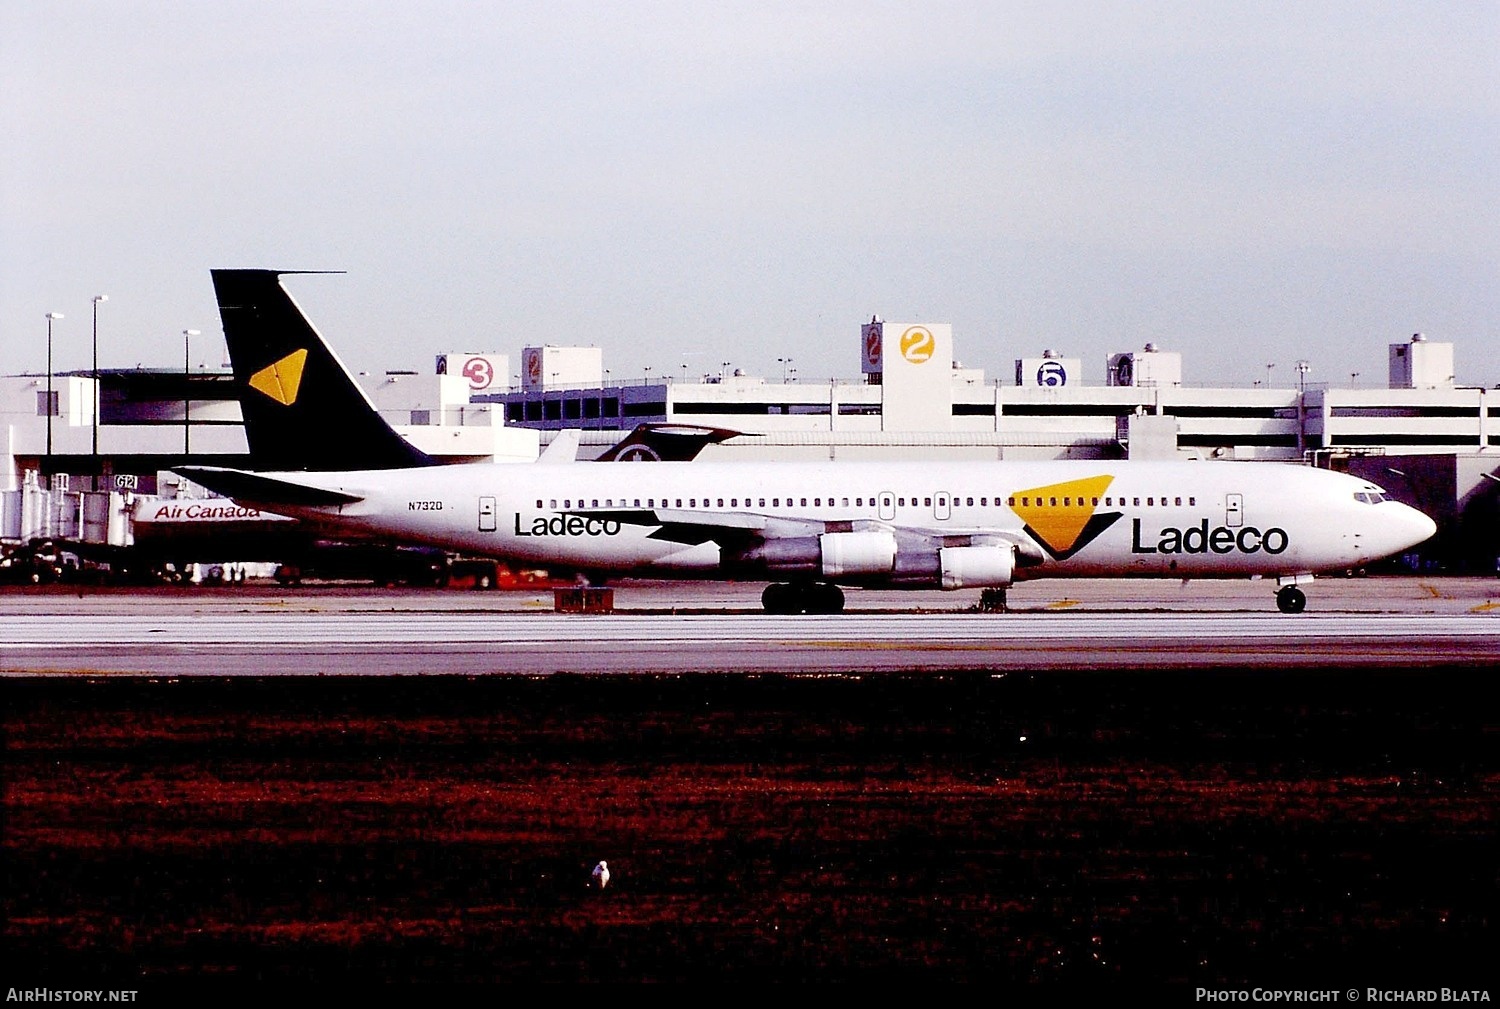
(1060, 519)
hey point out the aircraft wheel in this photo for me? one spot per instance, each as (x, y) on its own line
(781, 599)
(825, 598)
(1291, 599)
(773, 599)
(769, 597)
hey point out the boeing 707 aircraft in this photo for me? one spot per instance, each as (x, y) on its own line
(806, 528)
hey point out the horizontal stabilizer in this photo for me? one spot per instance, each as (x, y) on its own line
(262, 490)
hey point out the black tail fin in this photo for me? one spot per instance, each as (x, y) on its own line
(302, 409)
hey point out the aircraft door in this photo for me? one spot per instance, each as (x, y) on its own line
(486, 514)
(886, 508)
(1234, 510)
(942, 506)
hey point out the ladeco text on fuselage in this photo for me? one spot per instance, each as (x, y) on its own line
(568, 525)
(1200, 539)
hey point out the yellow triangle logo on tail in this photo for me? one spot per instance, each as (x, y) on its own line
(1062, 515)
(281, 380)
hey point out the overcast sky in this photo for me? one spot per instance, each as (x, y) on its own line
(694, 184)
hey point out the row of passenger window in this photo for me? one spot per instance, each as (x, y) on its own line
(1025, 501)
(1109, 502)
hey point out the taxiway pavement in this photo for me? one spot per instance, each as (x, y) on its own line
(717, 627)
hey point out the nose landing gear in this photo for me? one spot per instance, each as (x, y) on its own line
(1290, 599)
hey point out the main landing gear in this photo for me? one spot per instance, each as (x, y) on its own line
(802, 597)
(1290, 599)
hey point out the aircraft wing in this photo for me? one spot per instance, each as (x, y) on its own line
(734, 529)
(681, 525)
(263, 490)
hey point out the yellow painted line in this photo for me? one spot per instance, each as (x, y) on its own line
(1062, 604)
(1435, 593)
(957, 646)
(900, 646)
(1482, 607)
(873, 646)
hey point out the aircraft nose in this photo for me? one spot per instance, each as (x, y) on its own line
(1413, 527)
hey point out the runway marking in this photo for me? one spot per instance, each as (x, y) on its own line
(414, 642)
(885, 630)
(1152, 645)
(1062, 604)
(1485, 607)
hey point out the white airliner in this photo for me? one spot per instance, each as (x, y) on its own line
(807, 528)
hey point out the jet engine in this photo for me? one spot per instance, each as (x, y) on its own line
(863, 553)
(830, 555)
(977, 567)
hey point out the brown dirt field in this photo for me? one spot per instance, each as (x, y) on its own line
(1187, 828)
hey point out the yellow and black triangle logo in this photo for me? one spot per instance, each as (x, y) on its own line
(280, 381)
(1063, 517)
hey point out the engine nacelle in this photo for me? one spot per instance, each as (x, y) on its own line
(829, 555)
(977, 567)
(856, 554)
(799, 555)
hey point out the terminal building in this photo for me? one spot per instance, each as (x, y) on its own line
(1429, 440)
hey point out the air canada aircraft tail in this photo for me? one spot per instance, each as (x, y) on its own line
(302, 408)
(666, 443)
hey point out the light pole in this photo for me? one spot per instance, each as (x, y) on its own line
(187, 378)
(97, 298)
(1268, 375)
(1302, 369)
(51, 408)
(784, 362)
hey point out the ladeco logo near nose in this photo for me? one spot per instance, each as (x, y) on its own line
(1061, 516)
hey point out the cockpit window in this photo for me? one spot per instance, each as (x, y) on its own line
(1370, 497)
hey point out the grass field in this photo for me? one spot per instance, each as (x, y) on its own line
(1177, 829)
